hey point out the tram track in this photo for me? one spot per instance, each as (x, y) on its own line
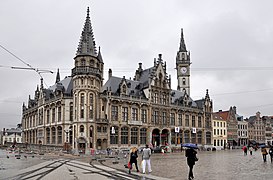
(35, 172)
(91, 168)
(134, 176)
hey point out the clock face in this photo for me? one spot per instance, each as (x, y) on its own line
(183, 70)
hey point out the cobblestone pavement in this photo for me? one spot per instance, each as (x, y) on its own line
(212, 165)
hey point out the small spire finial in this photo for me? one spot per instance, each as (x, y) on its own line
(42, 84)
(88, 11)
(182, 47)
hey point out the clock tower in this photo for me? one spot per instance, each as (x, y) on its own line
(183, 67)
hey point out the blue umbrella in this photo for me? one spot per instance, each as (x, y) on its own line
(262, 146)
(190, 145)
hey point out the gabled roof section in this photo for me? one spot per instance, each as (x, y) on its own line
(200, 103)
(87, 45)
(134, 88)
(252, 119)
(66, 85)
(177, 98)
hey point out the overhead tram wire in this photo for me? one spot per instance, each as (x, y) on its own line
(38, 71)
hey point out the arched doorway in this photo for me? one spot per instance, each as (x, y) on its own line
(104, 144)
(82, 145)
(99, 143)
(164, 137)
(155, 137)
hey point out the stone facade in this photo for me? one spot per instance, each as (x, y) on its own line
(82, 113)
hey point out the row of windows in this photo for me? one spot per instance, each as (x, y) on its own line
(155, 117)
(242, 133)
(91, 62)
(242, 126)
(160, 98)
(90, 106)
(219, 132)
(124, 135)
(11, 139)
(219, 142)
(55, 135)
(163, 115)
(51, 116)
(219, 124)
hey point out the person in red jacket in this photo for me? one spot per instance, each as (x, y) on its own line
(245, 150)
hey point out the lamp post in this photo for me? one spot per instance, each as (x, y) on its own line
(66, 140)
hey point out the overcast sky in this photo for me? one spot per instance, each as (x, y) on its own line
(230, 43)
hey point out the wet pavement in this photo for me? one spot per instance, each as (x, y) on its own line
(212, 165)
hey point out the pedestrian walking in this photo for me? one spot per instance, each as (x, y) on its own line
(264, 153)
(108, 151)
(146, 155)
(245, 150)
(250, 150)
(133, 159)
(191, 158)
(271, 153)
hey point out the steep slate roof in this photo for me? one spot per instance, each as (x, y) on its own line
(66, 83)
(87, 45)
(252, 119)
(176, 95)
(13, 130)
(200, 103)
(134, 87)
(145, 75)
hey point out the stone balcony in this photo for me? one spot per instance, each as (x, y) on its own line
(133, 122)
(102, 121)
(86, 70)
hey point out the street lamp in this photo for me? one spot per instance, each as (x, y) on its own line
(66, 139)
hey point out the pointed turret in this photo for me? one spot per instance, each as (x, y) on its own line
(87, 44)
(57, 77)
(182, 47)
(100, 56)
(42, 84)
(207, 94)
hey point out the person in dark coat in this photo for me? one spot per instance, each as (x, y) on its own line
(191, 158)
(133, 159)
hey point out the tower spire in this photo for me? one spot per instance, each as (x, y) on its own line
(182, 47)
(87, 45)
(58, 76)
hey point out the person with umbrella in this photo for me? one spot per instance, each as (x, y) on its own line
(264, 152)
(191, 157)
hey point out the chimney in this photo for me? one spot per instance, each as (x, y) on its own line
(234, 109)
(159, 56)
(139, 67)
(109, 73)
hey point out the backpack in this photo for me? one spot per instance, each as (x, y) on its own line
(270, 152)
